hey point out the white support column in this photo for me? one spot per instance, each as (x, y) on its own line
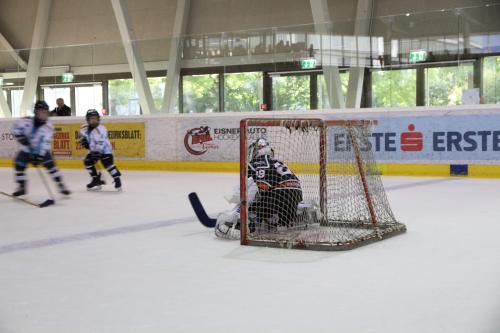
(334, 86)
(357, 69)
(22, 64)
(133, 56)
(4, 107)
(36, 54)
(355, 87)
(174, 57)
(323, 27)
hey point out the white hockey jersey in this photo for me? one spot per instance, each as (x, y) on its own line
(40, 138)
(97, 139)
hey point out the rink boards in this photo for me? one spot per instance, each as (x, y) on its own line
(453, 141)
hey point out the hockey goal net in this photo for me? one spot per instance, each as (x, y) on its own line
(342, 203)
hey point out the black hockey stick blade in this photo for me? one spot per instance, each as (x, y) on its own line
(200, 212)
(47, 203)
(44, 204)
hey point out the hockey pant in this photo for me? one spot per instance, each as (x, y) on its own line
(106, 160)
(277, 207)
(23, 159)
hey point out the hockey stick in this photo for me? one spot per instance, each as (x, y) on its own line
(200, 212)
(50, 201)
(26, 200)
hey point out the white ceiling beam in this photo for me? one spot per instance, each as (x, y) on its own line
(133, 56)
(36, 54)
(175, 54)
(324, 27)
(10, 50)
(362, 27)
(4, 107)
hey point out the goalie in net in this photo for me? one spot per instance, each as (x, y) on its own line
(275, 195)
(334, 198)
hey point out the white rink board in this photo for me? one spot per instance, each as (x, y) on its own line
(465, 134)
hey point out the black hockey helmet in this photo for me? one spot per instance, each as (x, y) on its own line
(92, 113)
(40, 105)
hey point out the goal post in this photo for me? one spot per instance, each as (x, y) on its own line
(342, 201)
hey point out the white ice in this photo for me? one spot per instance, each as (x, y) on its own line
(138, 261)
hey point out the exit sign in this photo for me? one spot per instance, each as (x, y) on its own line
(417, 56)
(309, 63)
(67, 77)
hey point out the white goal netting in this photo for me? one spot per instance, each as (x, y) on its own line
(323, 191)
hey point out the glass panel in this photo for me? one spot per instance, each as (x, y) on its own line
(259, 44)
(444, 85)
(243, 91)
(291, 92)
(16, 96)
(323, 101)
(201, 93)
(88, 97)
(283, 40)
(157, 85)
(394, 88)
(491, 80)
(51, 94)
(193, 48)
(123, 99)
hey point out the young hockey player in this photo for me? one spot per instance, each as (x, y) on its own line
(94, 137)
(35, 136)
(274, 194)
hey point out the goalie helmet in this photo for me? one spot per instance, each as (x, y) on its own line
(260, 147)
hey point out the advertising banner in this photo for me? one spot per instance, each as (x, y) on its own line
(214, 139)
(127, 139)
(470, 138)
(8, 144)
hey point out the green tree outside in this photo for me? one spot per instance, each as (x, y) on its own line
(242, 91)
(394, 88)
(291, 92)
(444, 85)
(491, 80)
(201, 93)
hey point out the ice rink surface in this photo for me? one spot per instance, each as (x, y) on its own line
(138, 261)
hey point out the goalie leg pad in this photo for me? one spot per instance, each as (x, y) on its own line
(228, 224)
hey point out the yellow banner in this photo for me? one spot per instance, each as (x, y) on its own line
(127, 139)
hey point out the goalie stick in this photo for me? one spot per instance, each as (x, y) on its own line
(200, 212)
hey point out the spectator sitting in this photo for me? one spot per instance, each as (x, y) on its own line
(260, 49)
(62, 110)
(280, 47)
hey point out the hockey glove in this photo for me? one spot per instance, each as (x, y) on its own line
(84, 142)
(22, 139)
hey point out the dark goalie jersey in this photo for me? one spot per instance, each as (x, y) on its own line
(270, 174)
(279, 192)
